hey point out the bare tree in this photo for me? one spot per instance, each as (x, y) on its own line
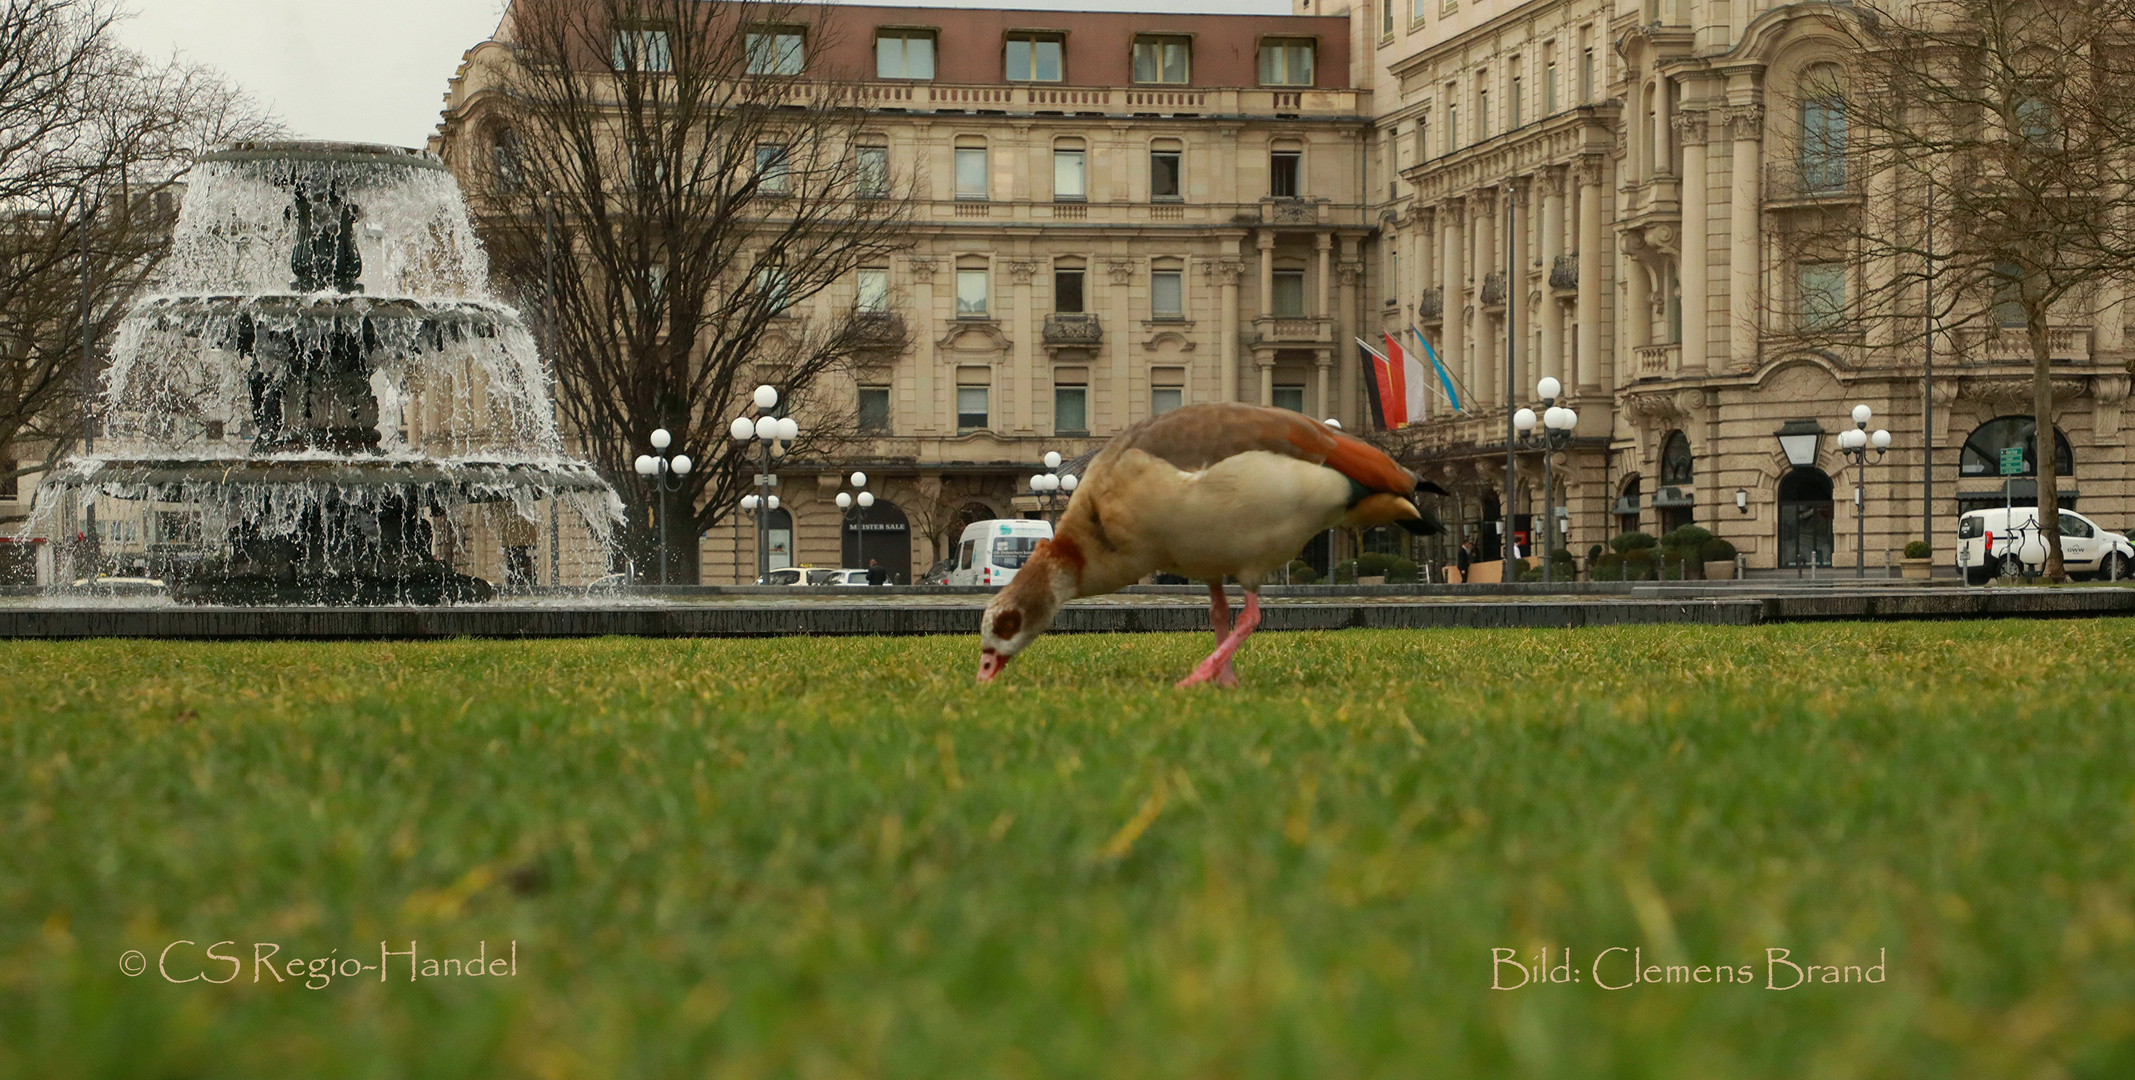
(93, 140)
(683, 190)
(1991, 144)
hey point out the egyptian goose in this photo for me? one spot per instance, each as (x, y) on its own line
(1208, 492)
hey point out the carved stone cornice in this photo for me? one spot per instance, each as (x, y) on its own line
(1691, 127)
(1550, 181)
(1590, 169)
(2017, 388)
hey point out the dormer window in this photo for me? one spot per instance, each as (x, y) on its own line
(1286, 62)
(1035, 57)
(641, 49)
(904, 54)
(776, 50)
(1162, 59)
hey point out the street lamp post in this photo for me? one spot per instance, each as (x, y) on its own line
(772, 433)
(1050, 484)
(1856, 443)
(1557, 423)
(664, 475)
(846, 502)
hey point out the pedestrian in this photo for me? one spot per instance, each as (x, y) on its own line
(1465, 556)
(876, 572)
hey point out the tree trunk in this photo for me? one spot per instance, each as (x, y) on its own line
(2046, 448)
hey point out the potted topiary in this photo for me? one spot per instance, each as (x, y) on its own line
(1719, 558)
(1919, 560)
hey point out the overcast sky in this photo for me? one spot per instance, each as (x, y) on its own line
(375, 70)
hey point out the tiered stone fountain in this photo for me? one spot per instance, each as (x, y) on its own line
(324, 383)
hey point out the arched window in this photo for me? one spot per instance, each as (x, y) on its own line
(1675, 459)
(1983, 448)
(506, 159)
(779, 525)
(1823, 130)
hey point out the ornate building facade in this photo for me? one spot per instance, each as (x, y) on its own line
(1120, 214)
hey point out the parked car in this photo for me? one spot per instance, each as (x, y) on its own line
(1986, 539)
(799, 575)
(990, 552)
(848, 576)
(938, 574)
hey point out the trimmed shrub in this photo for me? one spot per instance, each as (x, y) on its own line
(1918, 549)
(1302, 573)
(1377, 563)
(1632, 541)
(1641, 564)
(1343, 573)
(1689, 537)
(1716, 550)
(1401, 572)
(1608, 567)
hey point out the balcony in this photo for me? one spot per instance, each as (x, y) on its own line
(1039, 98)
(878, 329)
(1494, 289)
(1300, 330)
(1432, 306)
(1564, 273)
(1992, 345)
(1275, 211)
(1076, 329)
(1659, 361)
(1815, 182)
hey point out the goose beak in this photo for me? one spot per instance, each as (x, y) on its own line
(990, 664)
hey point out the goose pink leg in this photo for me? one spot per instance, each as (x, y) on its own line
(1219, 662)
(1219, 617)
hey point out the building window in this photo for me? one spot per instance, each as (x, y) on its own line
(1823, 144)
(1586, 74)
(1167, 294)
(971, 291)
(875, 409)
(1983, 448)
(1167, 389)
(641, 50)
(2008, 295)
(971, 171)
(1286, 62)
(775, 51)
(970, 408)
(871, 172)
(779, 539)
(1512, 102)
(1549, 87)
(1070, 182)
(771, 284)
(1452, 122)
(1162, 59)
(1820, 289)
(1290, 294)
(871, 293)
(1675, 459)
(1416, 8)
(1482, 113)
(1166, 174)
(1291, 397)
(1034, 58)
(1423, 133)
(774, 169)
(1285, 169)
(1386, 18)
(505, 158)
(904, 54)
(1067, 289)
(1071, 409)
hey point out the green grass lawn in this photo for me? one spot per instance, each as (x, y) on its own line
(840, 858)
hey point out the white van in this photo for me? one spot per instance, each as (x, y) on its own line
(2086, 548)
(990, 552)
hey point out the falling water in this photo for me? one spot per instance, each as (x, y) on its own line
(324, 393)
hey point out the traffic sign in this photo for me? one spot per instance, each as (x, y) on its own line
(2012, 460)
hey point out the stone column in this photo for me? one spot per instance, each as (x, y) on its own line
(1265, 240)
(1511, 363)
(1324, 244)
(1266, 363)
(1746, 126)
(1638, 297)
(1323, 360)
(1017, 384)
(1228, 271)
(1483, 219)
(931, 400)
(1662, 124)
(1551, 182)
(1637, 131)
(1450, 279)
(1351, 271)
(1588, 175)
(1690, 125)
